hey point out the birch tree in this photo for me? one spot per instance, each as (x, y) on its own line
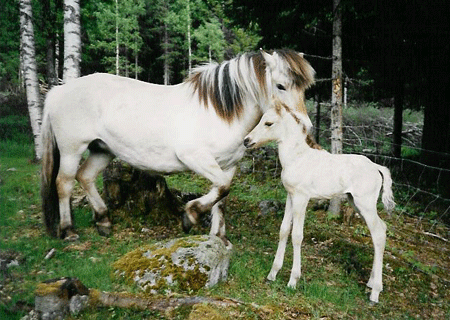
(29, 69)
(336, 93)
(72, 39)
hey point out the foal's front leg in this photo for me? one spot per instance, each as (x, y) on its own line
(285, 229)
(299, 204)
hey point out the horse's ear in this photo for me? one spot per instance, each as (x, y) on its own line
(270, 59)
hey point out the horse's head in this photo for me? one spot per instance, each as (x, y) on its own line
(278, 124)
(288, 75)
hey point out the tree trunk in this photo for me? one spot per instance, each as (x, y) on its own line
(166, 56)
(317, 131)
(117, 37)
(189, 37)
(72, 39)
(398, 118)
(48, 23)
(30, 72)
(336, 94)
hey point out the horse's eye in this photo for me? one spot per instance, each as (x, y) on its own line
(268, 124)
(281, 87)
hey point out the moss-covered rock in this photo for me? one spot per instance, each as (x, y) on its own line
(184, 264)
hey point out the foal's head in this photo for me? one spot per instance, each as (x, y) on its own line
(278, 124)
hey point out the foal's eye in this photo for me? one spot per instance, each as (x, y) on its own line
(268, 124)
(281, 87)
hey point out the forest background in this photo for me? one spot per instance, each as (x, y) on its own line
(396, 52)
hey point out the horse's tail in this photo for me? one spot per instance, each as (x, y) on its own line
(387, 197)
(50, 167)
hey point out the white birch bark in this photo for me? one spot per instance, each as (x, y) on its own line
(72, 39)
(30, 72)
(117, 37)
(189, 36)
(336, 94)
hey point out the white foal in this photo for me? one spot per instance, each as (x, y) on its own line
(311, 173)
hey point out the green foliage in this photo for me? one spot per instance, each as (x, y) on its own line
(9, 44)
(211, 41)
(118, 29)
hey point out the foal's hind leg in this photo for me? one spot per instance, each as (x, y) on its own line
(86, 176)
(367, 207)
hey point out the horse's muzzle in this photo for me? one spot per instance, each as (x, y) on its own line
(248, 143)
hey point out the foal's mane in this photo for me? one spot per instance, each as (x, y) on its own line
(223, 85)
(310, 141)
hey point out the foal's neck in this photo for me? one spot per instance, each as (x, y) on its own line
(291, 148)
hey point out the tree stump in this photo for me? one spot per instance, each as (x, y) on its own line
(143, 197)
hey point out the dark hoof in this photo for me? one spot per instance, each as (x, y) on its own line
(69, 235)
(187, 223)
(104, 227)
(104, 231)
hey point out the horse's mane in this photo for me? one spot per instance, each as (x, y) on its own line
(222, 85)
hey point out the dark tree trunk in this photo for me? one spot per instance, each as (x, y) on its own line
(398, 118)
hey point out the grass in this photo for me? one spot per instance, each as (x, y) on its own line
(336, 257)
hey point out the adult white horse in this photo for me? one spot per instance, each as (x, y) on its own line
(197, 125)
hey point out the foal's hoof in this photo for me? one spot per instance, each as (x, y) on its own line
(226, 242)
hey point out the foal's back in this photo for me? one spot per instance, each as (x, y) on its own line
(320, 174)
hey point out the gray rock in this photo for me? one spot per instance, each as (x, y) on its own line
(186, 264)
(268, 207)
(53, 299)
(78, 303)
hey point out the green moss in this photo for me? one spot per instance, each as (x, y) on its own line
(158, 257)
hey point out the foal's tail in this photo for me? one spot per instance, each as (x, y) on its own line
(50, 167)
(387, 196)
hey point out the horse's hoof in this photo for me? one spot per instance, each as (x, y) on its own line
(104, 230)
(187, 223)
(70, 235)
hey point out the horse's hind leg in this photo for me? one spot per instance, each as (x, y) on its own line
(86, 176)
(64, 185)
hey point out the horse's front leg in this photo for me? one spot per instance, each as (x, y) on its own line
(204, 164)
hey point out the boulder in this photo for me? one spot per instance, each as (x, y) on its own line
(184, 264)
(56, 298)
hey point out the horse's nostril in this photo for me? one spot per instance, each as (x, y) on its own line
(246, 142)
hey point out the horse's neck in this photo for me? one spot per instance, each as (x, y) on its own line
(292, 148)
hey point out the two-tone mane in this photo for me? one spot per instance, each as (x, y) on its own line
(222, 85)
